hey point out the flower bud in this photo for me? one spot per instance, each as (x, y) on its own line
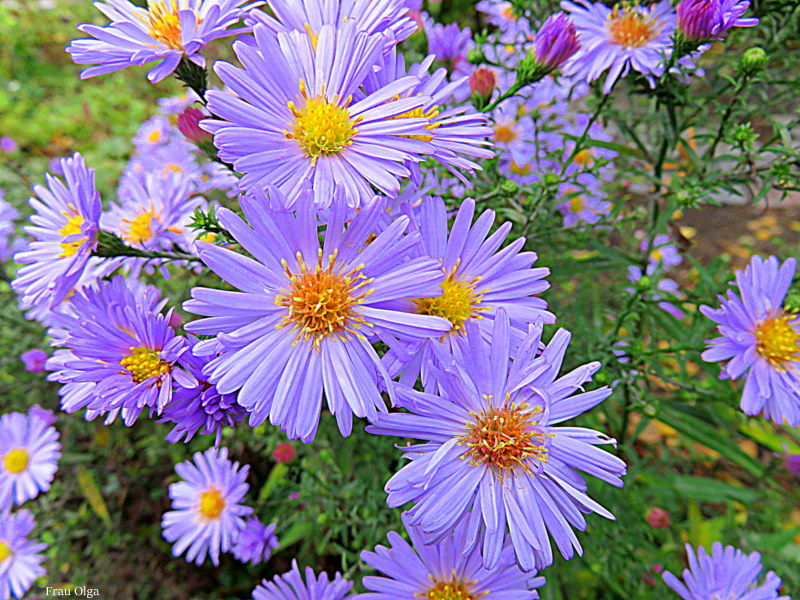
(482, 82)
(702, 20)
(189, 125)
(475, 55)
(658, 518)
(284, 453)
(556, 41)
(753, 61)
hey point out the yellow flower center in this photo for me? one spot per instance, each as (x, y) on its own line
(452, 589)
(505, 438)
(211, 504)
(777, 340)
(657, 255)
(518, 169)
(163, 22)
(577, 204)
(322, 300)
(16, 461)
(504, 133)
(5, 551)
(458, 303)
(71, 227)
(321, 126)
(154, 136)
(583, 158)
(629, 28)
(139, 230)
(172, 168)
(143, 363)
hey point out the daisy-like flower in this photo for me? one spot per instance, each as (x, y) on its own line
(8, 214)
(207, 512)
(293, 120)
(491, 459)
(703, 20)
(166, 31)
(371, 16)
(760, 340)
(200, 407)
(291, 586)
(20, 557)
(442, 571)
(155, 213)
(582, 206)
(120, 353)
(29, 453)
(255, 542)
(154, 132)
(307, 312)
(726, 574)
(663, 252)
(628, 36)
(455, 133)
(65, 230)
(449, 44)
(479, 279)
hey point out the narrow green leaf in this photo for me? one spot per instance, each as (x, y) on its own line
(277, 474)
(704, 489)
(92, 494)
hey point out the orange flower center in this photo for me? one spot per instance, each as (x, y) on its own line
(458, 303)
(629, 28)
(16, 461)
(452, 589)
(777, 340)
(163, 22)
(505, 438)
(211, 504)
(504, 133)
(322, 300)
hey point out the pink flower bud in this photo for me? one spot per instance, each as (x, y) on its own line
(189, 125)
(284, 453)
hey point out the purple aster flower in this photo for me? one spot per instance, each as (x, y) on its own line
(8, 214)
(155, 214)
(293, 121)
(703, 20)
(582, 206)
(726, 574)
(167, 30)
(200, 407)
(663, 252)
(255, 542)
(761, 340)
(290, 586)
(29, 453)
(175, 156)
(120, 353)
(453, 132)
(47, 416)
(664, 284)
(449, 43)
(20, 557)
(207, 512)
(442, 571)
(154, 132)
(492, 460)
(309, 16)
(628, 36)
(556, 41)
(65, 229)
(34, 360)
(8, 144)
(306, 313)
(498, 12)
(479, 279)
(170, 107)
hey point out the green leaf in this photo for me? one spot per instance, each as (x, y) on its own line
(277, 475)
(692, 422)
(92, 494)
(296, 532)
(616, 147)
(704, 489)
(765, 434)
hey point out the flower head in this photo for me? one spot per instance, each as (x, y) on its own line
(385, 17)
(255, 542)
(120, 353)
(556, 41)
(760, 340)
(306, 313)
(449, 43)
(8, 214)
(491, 456)
(290, 586)
(29, 453)
(206, 513)
(299, 117)
(703, 20)
(65, 230)
(627, 36)
(200, 407)
(164, 30)
(20, 557)
(726, 574)
(478, 280)
(442, 571)
(34, 360)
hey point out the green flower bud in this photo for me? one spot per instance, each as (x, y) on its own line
(753, 61)
(644, 284)
(509, 186)
(475, 55)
